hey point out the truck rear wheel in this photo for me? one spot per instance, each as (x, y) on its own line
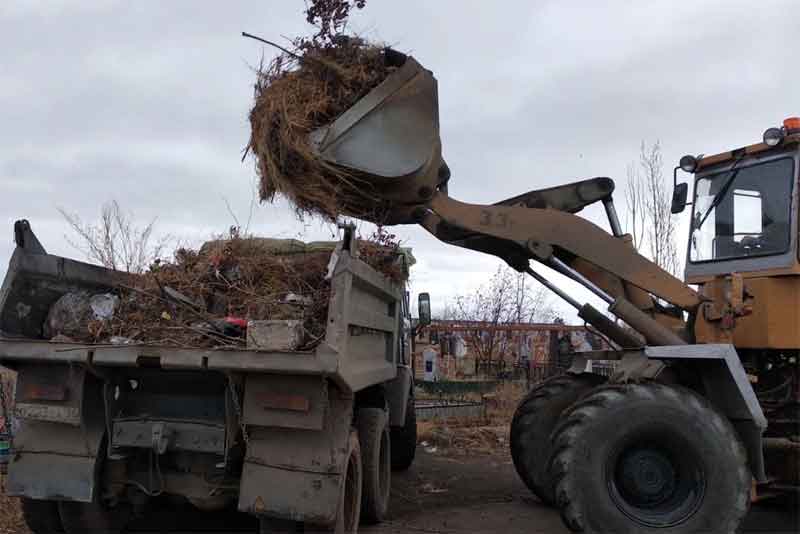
(349, 511)
(404, 439)
(93, 518)
(647, 458)
(41, 516)
(532, 426)
(373, 435)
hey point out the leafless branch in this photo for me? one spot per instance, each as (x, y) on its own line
(649, 218)
(115, 241)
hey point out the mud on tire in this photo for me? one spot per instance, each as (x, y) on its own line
(533, 424)
(646, 458)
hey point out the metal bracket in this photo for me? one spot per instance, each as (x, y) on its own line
(160, 438)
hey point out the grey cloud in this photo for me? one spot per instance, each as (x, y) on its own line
(147, 102)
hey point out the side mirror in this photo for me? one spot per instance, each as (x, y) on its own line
(679, 195)
(424, 306)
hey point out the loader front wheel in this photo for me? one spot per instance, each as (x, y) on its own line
(532, 426)
(649, 458)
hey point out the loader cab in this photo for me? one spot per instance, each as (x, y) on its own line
(744, 210)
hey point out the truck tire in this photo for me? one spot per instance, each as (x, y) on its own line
(649, 458)
(93, 518)
(404, 439)
(532, 427)
(375, 441)
(349, 510)
(41, 516)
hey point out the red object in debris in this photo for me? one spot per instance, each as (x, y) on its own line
(237, 321)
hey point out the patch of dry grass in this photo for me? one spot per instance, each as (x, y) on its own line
(468, 436)
(11, 521)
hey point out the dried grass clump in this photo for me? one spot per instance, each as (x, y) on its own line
(241, 277)
(11, 520)
(297, 93)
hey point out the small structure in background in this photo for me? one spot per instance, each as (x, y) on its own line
(445, 350)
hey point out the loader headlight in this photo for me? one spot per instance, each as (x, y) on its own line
(688, 163)
(773, 136)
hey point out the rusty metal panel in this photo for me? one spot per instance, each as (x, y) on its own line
(55, 461)
(285, 401)
(34, 281)
(310, 497)
(52, 476)
(363, 325)
(179, 435)
(50, 393)
(294, 473)
(44, 351)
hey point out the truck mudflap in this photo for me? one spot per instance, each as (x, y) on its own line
(55, 461)
(61, 429)
(298, 474)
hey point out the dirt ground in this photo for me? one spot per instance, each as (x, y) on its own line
(441, 494)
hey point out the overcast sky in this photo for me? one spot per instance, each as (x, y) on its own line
(146, 102)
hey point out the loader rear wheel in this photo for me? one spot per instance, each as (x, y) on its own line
(404, 439)
(649, 458)
(93, 518)
(41, 516)
(532, 426)
(373, 435)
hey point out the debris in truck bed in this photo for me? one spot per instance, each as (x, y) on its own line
(304, 89)
(205, 298)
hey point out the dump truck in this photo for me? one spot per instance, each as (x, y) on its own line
(702, 413)
(301, 439)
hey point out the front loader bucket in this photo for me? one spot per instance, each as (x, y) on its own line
(390, 137)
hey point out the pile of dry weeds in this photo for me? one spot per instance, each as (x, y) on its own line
(303, 89)
(204, 298)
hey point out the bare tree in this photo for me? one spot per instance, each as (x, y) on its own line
(115, 241)
(506, 299)
(648, 201)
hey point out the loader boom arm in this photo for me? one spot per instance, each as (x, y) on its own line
(517, 234)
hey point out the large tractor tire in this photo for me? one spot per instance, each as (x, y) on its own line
(93, 518)
(533, 424)
(404, 439)
(649, 458)
(41, 516)
(375, 441)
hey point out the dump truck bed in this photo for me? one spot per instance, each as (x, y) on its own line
(358, 349)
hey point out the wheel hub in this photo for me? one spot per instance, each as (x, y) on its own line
(647, 477)
(655, 480)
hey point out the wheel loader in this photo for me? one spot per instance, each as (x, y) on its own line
(700, 416)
